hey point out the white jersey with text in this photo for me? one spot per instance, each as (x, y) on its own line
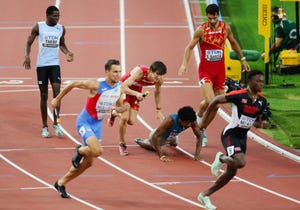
(106, 96)
(48, 41)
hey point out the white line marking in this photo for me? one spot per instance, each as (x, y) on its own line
(43, 182)
(238, 178)
(187, 182)
(26, 188)
(122, 37)
(245, 181)
(102, 27)
(128, 173)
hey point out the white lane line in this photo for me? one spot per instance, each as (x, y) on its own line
(161, 27)
(43, 182)
(25, 188)
(238, 178)
(128, 173)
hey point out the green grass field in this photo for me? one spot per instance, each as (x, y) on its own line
(284, 101)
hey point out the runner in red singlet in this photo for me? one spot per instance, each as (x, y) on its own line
(133, 83)
(211, 36)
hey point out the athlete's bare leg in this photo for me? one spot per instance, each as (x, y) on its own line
(127, 118)
(208, 95)
(43, 103)
(89, 153)
(233, 164)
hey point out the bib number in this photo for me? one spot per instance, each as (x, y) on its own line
(213, 55)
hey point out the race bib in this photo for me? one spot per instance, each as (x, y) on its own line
(230, 150)
(213, 55)
(246, 122)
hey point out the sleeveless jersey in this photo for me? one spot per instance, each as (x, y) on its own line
(175, 129)
(212, 65)
(48, 41)
(244, 111)
(143, 81)
(106, 96)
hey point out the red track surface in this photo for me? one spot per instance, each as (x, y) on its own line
(155, 30)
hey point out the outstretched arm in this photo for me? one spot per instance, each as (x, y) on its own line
(157, 137)
(157, 97)
(91, 85)
(189, 48)
(220, 99)
(236, 47)
(196, 129)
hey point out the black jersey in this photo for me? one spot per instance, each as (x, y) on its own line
(244, 110)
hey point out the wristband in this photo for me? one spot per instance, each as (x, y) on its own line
(158, 108)
(243, 58)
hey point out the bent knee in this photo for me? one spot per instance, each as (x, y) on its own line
(130, 122)
(240, 164)
(97, 152)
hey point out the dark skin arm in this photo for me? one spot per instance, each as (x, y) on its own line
(166, 124)
(220, 99)
(33, 34)
(63, 47)
(196, 129)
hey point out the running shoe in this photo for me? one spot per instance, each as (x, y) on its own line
(174, 142)
(57, 130)
(199, 119)
(76, 157)
(61, 190)
(45, 132)
(217, 164)
(204, 138)
(206, 202)
(123, 149)
(111, 118)
(138, 140)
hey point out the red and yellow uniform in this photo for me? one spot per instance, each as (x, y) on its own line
(137, 86)
(212, 65)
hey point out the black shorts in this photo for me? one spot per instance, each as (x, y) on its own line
(234, 142)
(46, 73)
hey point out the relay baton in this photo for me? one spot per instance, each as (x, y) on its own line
(144, 96)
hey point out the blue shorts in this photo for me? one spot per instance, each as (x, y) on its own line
(88, 126)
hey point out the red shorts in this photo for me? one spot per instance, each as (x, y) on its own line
(132, 99)
(212, 72)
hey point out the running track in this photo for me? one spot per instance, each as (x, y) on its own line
(149, 30)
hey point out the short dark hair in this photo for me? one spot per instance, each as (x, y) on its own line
(51, 9)
(275, 9)
(253, 73)
(212, 9)
(187, 113)
(111, 62)
(158, 67)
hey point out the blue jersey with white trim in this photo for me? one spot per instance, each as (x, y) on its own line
(175, 129)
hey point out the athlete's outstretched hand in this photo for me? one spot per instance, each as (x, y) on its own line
(182, 70)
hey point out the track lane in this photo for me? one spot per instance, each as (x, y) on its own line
(138, 157)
